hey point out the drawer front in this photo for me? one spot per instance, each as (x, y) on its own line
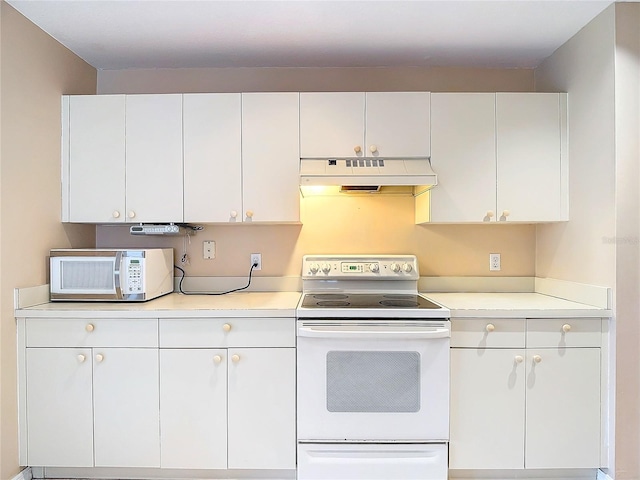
(564, 332)
(227, 332)
(94, 332)
(488, 332)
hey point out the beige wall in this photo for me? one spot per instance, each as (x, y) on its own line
(36, 70)
(190, 80)
(329, 224)
(627, 292)
(600, 68)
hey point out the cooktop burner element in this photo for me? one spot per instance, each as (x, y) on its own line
(360, 300)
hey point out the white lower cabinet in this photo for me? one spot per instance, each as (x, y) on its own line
(525, 397)
(228, 407)
(91, 392)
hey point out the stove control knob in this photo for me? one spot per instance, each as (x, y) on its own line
(374, 267)
(326, 268)
(314, 268)
(407, 267)
(394, 267)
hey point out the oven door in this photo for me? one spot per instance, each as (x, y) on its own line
(373, 380)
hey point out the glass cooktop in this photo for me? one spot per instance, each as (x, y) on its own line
(365, 300)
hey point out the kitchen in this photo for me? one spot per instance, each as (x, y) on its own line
(557, 251)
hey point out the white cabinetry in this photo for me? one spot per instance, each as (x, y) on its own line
(235, 402)
(91, 396)
(270, 157)
(349, 124)
(212, 157)
(499, 157)
(530, 390)
(122, 158)
(154, 158)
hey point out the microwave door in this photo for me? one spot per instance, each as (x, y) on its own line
(86, 276)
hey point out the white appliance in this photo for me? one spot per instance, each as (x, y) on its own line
(128, 275)
(372, 371)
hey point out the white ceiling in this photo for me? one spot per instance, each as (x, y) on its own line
(118, 34)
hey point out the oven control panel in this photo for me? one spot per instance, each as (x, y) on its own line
(342, 267)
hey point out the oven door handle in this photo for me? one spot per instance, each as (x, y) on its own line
(381, 334)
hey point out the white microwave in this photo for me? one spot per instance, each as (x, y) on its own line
(102, 275)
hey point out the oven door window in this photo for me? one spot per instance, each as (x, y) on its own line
(371, 381)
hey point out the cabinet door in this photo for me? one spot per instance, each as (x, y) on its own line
(332, 124)
(59, 407)
(154, 158)
(397, 124)
(487, 408)
(96, 163)
(270, 157)
(126, 412)
(212, 157)
(463, 154)
(262, 427)
(563, 408)
(193, 406)
(528, 127)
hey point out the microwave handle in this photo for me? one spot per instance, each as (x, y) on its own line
(381, 334)
(117, 276)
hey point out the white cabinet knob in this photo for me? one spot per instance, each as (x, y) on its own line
(115, 214)
(235, 358)
(233, 214)
(99, 357)
(89, 327)
(537, 358)
(226, 327)
(566, 328)
(81, 358)
(490, 327)
(490, 214)
(217, 359)
(132, 214)
(519, 359)
(373, 148)
(506, 213)
(357, 149)
(249, 213)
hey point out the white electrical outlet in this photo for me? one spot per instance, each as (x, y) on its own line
(256, 259)
(494, 261)
(208, 249)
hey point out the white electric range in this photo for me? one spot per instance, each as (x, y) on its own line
(373, 371)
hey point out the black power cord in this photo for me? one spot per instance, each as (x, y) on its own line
(253, 265)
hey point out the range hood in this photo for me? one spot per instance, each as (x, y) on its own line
(357, 174)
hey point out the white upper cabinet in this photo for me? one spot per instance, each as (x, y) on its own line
(154, 158)
(529, 137)
(332, 124)
(463, 154)
(397, 124)
(122, 158)
(212, 157)
(499, 157)
(270, 157)
(349, 124)
(93, 158)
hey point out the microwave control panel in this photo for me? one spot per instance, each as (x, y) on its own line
(135, 279)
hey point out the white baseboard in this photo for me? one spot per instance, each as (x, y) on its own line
(25, 474)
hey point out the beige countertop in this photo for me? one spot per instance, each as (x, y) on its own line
(239, 304)
(505, 305)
